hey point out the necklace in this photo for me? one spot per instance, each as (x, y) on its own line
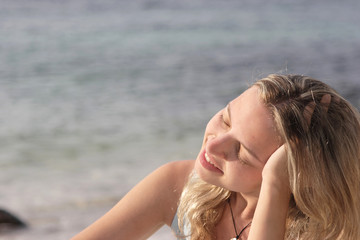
(233, 219)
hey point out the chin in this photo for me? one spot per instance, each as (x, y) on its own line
(206, 176)
(203, 173)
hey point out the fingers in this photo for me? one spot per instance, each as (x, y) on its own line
(325, 101)
(308, 112)
(310, 108)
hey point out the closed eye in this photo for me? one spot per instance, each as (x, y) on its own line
(225, 116)
(222, 119)
(243, 160)
(238, 154)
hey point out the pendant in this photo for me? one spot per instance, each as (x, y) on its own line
(234, 238)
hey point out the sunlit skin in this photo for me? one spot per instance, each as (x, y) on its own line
(239, 140)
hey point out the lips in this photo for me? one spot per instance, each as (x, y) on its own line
(206, 162)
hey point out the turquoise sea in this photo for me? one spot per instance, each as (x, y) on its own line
(94, 95)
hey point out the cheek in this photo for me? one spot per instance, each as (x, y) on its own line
(247, 179)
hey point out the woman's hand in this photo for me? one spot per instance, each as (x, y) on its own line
(275, 171)
(272, 207)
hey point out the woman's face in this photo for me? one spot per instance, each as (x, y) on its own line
(238, 142)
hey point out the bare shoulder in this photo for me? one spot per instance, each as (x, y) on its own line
(149, 204)
(177, 172)
(174, 176)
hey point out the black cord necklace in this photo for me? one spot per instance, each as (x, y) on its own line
(233, 219)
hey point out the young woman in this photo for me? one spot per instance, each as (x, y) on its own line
(281, 161)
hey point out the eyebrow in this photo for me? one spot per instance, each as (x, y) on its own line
(228, 109)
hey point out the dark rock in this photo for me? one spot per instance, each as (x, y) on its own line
(9, 222)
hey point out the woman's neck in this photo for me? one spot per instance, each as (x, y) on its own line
(243, 206)
(236, 216)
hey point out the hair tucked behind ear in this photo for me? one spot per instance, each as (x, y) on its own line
(324, 157)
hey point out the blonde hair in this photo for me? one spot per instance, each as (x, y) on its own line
(323, 164)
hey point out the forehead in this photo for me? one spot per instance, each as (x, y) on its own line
(253, 123)
(251, 106)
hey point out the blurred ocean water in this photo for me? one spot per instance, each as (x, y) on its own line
(94, 95)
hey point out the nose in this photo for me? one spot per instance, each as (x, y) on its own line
(221, 146)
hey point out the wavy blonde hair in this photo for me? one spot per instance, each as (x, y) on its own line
(323, 164)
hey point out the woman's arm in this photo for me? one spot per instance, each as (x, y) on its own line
(149, 205)
(271, 210)
(272, 207)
